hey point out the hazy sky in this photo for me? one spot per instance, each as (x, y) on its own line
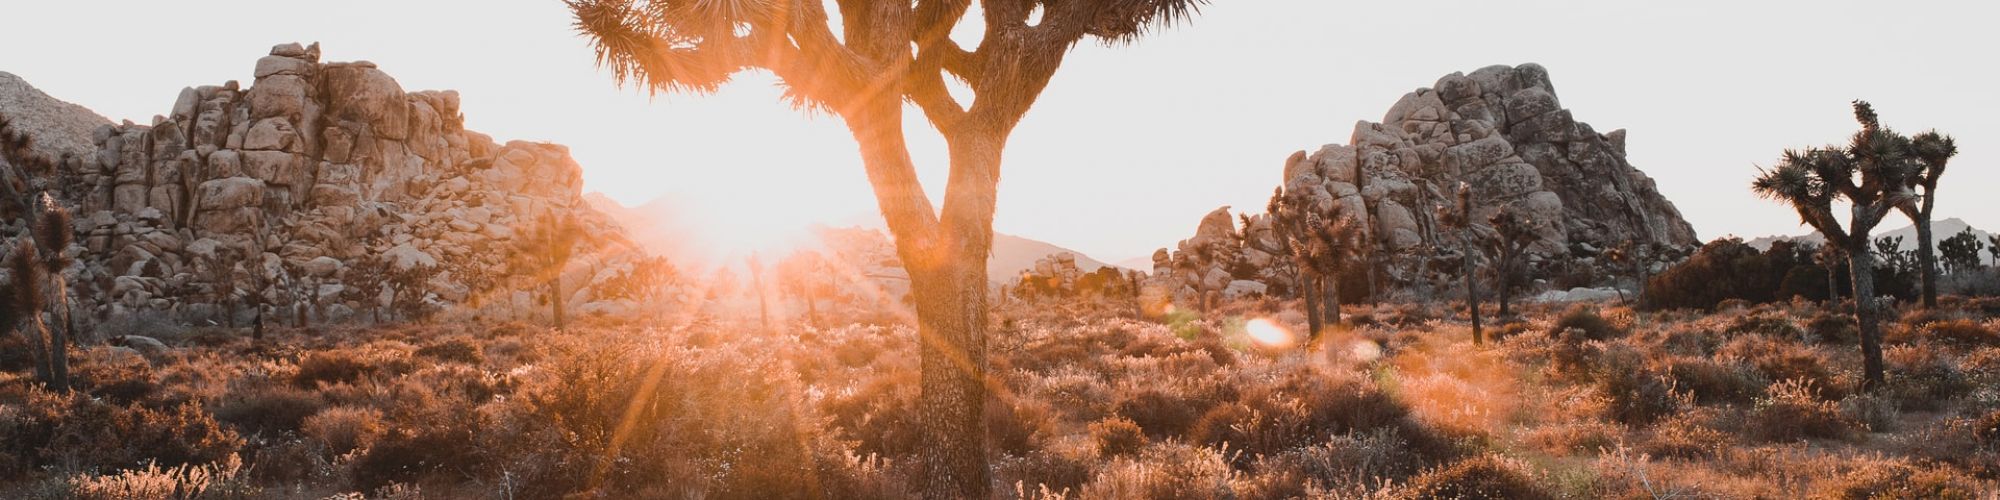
(1130, 145)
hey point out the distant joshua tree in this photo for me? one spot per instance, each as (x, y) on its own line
(1320, 245)
(1513, 233)
(1960, 252)
(1872, 175)
(1833, 259)
(865, 67)
(1459, 217)
(1993, 248)
(543, 253)
(1928, 152)
(807, 275)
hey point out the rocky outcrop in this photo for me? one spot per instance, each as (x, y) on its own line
(1500, 130)
(297, 188)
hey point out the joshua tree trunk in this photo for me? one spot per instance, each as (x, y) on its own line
(1330, 296)
(1505, 288)
(945, 253)
(556, 300)
(1309, 291)
(38, 341)
(257, 323)
(1472, 299)
(1926, 256)
(1832, 283)
(1861, 265)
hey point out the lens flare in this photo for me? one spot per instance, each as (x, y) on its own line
(1267, 332)
(1365, 351)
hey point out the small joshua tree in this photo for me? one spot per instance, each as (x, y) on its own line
(1833, 259)
(39, 291)
(1513, 233)
(1320, 245)
(1459, 217)
(807, 275)
(545, 250)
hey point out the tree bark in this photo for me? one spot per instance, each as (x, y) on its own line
(556, 299)
(1861, 265)
(1927, 258)
(1472, 299)
(1504, 271)
(1309, 294)
(1331, 298)
(946, 258)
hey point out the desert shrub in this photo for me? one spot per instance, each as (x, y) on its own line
(1878, 478)
(1924, 378)
(1044, 471)
(1728, 269)
(1586, 319)
(1825, 327)
(1574, 437)
(1356, 459)
(882, 414)
(1794, 410)
(1961, 331)
(1711, 381)
(1480, 477)
(1778, 359)
(1162, 413)
(328, 367)
(454, 350)
(1987, 428)
(221, 480)
(73, 428)
(1877, 412)
(1634, 395)
(1686, 435)
(268, 409)
(1771, 324)
(122, 378)
(291, 462)
(1165, 471)
(403, 456)
(1017, 426)
(344, 428)
(1117, 436)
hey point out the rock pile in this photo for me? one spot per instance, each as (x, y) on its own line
(1502, 131)
(315, 178)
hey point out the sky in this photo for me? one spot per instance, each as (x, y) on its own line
(1132, 144)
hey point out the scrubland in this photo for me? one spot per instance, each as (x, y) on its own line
(1088, 402)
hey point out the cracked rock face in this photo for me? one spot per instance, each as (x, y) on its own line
(1501, 130)
(297, 179)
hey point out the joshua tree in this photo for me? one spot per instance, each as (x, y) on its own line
(1871, 174)
(1632, 257)
(544, 252)
(1320, 245)
(39, 292)
(1993, 248)
(883, 55)
(807, 275)
(1960, 252)
(1460, 217)
(1928, 152)
(1831, 257)
(1287, 223)
(1513, 233)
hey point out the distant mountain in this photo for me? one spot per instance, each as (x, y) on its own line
(657, 225)
(1940, 229)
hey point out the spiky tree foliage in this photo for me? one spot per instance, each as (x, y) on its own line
(1928, 152)
(1320, 245)
(1459, 217)
(39, 292)
(544, 251)
(1871, 174)
(1960, 252)
(1993, 248)
(1513, 232)
(1287, 223)
(882, 55)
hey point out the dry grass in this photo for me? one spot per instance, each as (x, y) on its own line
(1754, 400)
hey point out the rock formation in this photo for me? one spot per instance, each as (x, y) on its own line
(290, 189)
(1502, 131)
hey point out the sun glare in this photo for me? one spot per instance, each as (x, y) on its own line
(1267, 332)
